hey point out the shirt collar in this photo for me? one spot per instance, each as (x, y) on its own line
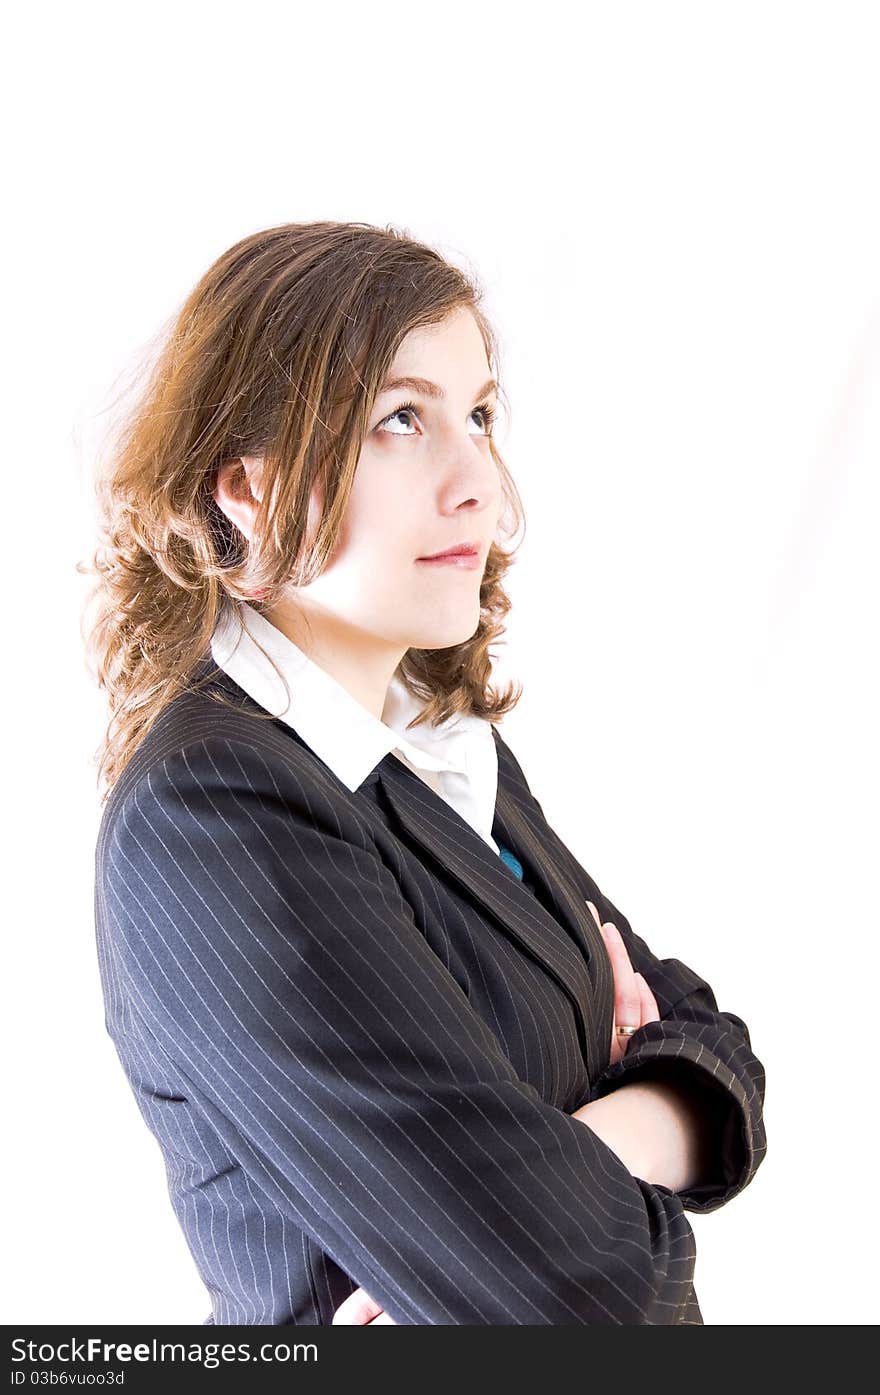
(338, 728)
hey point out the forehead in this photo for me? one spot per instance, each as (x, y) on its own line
(452, 351)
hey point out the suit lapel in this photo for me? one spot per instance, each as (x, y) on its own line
(559, 942)
(517, 828)
(566, 943)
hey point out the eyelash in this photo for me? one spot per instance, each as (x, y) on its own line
(486, 408)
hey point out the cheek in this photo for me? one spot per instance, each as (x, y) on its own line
(381, 514)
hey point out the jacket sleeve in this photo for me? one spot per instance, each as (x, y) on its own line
(271, 955)
(693, 1044)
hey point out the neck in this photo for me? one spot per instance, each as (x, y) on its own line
(363, 664)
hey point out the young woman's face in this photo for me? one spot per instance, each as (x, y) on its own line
(425, 482)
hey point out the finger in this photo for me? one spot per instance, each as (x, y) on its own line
(356, 1310)
(627, 999)
(650, 1010)
(382, 1318)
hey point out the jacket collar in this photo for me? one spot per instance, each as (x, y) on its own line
(564, 940)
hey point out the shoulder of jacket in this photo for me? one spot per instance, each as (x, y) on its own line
(200, 745)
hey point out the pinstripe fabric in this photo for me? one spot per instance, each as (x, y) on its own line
(357, 1038)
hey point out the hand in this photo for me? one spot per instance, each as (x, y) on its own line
(634, 1003)
(360, 1310)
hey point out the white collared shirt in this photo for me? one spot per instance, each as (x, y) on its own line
(457, 759)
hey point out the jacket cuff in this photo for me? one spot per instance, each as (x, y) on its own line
(674, 1051)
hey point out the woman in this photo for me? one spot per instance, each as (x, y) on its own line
(404, 1060)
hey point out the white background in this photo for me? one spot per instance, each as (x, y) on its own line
(674, 211)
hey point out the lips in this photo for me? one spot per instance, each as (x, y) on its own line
(461, 550)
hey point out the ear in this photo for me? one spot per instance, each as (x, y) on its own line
(238, 491)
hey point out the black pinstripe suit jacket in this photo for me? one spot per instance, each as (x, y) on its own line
(358, 1040)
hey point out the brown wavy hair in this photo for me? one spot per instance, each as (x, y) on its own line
(279, 350)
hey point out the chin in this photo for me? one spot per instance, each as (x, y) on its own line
(444, 636)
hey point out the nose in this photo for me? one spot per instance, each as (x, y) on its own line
(470, 476)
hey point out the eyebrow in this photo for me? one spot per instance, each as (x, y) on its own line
(430, 389)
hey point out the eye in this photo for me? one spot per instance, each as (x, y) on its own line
(407, 408)
(485, 410)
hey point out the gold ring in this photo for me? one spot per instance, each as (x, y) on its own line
(626, 1031)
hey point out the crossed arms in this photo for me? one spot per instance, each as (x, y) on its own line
(271, 956)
